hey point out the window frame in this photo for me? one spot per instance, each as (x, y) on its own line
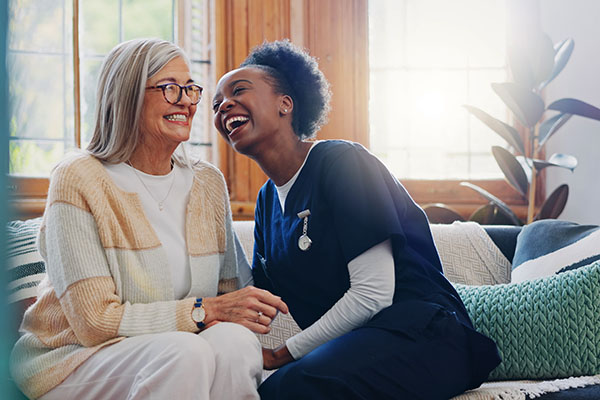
(309, 24)
(26, 195)
(524, 19)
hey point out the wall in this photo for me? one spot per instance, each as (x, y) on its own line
(333, 31)
(578, 19)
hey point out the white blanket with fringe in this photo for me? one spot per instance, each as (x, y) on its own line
(521, 390)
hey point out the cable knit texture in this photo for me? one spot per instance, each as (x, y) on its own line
(107, 273)
(544, 328)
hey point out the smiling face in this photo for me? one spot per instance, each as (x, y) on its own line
(247, 112)
(166, 125)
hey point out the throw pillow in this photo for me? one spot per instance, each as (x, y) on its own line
(549, 247)
(25, 265)
(544, 328)
(26, 268)
(468, 254)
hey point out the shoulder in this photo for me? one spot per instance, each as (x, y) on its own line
(337, 146)
(206, 169)
(208, 174)
(77, 170)
(342, 156)
(79, 164)
(333, 151)
(208, 181)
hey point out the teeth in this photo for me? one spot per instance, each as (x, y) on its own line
(231, 120)
(177, 117)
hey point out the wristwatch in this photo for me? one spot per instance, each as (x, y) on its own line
(199, 313)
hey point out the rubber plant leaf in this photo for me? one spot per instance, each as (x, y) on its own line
(542, 58)
(506, 131)
(526, 163)
(577, 107)
(439, 213)
(490, 197)
(490, 214)
(512, 169)
(562, 55)
(565, 161)
(554, 204)
(527, 106)
(550, 126)
(520, 67)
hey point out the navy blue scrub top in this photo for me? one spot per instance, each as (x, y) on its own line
(355, 203)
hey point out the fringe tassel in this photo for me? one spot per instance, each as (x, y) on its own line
(519, 390)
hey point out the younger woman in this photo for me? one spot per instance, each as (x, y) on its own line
(345, 246)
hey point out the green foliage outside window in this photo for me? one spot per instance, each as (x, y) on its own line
(40, 69)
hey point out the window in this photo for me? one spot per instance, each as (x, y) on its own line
(427, 59)
(53, 66)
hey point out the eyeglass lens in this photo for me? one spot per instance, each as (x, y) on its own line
(173, 93)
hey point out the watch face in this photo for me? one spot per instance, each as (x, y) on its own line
(304, 242)
(198, 314)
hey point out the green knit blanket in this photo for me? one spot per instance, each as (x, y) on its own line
(544, 328)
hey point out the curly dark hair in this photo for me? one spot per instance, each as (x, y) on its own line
(294, 72)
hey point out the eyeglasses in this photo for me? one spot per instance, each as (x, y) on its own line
(172, 92)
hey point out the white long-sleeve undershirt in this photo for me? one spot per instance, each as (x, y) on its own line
(371, 290)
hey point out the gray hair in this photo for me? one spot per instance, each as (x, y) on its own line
(120, 95)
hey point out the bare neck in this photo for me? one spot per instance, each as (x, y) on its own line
(151, 162)
(280, 163)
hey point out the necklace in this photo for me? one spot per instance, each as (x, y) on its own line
(161, 202)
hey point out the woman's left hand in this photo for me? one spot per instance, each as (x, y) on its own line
(276, 358)
(251, 307)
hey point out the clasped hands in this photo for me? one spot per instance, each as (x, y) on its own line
(255, 309)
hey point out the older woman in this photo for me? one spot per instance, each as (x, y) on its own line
(138, 242)
(344, 245)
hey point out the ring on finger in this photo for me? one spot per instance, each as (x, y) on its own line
(258, 316)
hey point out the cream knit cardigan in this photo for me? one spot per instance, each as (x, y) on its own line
(107, 273)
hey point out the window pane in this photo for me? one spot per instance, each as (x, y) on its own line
(98, 26)
(457, 33)
(201, 137)
(39, 25)
(386, 31)
(143, 18)
(42, 101)
(39, 64)
(428, 58)
(32, 157)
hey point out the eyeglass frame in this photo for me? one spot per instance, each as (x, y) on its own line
(181, 89)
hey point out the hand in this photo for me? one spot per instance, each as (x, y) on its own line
(276, 358)
(251, 307)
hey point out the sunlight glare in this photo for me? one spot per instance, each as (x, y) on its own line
(431, 104)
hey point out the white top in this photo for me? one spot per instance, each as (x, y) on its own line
(173, 190)
(283, 190)
(371, 290)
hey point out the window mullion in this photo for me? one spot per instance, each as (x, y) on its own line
(76, 76)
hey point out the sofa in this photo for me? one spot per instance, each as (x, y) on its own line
(541, 361)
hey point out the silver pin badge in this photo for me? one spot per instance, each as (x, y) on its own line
(304, 241)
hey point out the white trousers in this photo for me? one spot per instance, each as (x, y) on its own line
(222, 362)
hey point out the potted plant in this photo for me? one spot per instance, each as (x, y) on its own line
(532, 68)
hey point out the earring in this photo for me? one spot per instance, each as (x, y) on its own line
(285, 110)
